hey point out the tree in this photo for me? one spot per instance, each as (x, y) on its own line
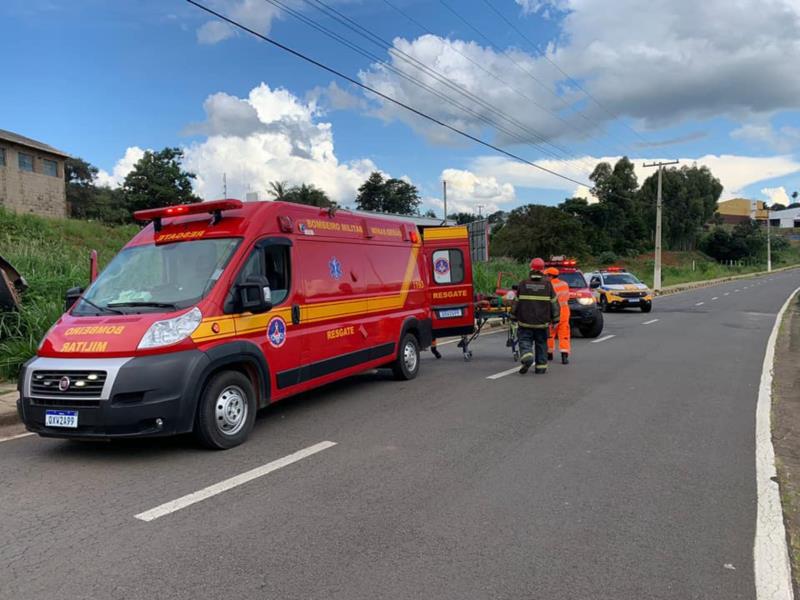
(388, 195)
(305, 194)
(278, 189)
(430, 214)
(85, 200)
(689, 197)
(462, 218)
(777, 206)
(535, 230)
(157, 179)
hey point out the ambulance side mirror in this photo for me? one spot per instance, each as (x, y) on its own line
(71, 297)
(255, 295)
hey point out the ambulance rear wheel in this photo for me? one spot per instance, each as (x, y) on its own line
(227, 411)
(406, 366)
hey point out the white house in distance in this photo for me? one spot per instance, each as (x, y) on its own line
(789, 217)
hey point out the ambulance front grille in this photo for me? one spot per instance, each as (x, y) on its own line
(67, 384)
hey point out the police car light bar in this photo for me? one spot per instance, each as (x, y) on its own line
(214, 207)
(612, 269)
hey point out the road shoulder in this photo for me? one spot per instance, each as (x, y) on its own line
(786, 428)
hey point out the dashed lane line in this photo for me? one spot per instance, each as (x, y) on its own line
(726, 294)
(227, 484)
(650, 322)
(699, 303)
(503, 373)
(603, 339)
(715, 298)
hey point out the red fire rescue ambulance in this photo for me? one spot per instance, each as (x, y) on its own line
(217, 309)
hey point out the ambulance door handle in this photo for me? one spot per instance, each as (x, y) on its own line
(295, 314)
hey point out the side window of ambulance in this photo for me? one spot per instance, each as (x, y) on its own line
(448, 266)
(271, 262)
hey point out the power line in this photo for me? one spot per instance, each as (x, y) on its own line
(519, 66)
(371, 56)
(431, 72)
(560, 70)
(386, 97)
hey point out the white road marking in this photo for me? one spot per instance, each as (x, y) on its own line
(227, 484)
(715, 298)
(770, 552)
(726, 294)
(735, 290)
(650, 321)
(458, 339)
(15, 437)
(603, 339)
(504, 373)
(699, 303)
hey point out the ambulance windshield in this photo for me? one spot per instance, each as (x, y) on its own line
(158, 278)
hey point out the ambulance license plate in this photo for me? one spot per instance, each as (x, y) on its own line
(450, 313)
(61, 418)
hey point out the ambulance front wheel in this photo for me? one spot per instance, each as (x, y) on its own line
(227, 411)
(406, 366)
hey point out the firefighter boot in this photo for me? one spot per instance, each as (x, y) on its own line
(527, 362)
(565, 358)
(540, 370)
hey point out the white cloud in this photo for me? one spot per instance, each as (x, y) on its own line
(255, 14)
(776, 194)
(783, 139)
(471, 193)
(269, 136)
(678, 60)
(124, 166)
(544, 8)
(735, 172)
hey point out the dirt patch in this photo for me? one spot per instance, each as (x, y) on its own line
(786, 428)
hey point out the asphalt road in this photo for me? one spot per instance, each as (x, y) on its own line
(629, 473)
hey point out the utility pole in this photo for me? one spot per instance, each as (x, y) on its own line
(444, 197)
(225, 186)
(769, 242)
(479, 207)
(657, 266)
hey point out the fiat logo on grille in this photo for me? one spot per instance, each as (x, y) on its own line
(63, 384)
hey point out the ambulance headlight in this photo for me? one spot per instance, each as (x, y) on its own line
(586, 301)
(171, 331)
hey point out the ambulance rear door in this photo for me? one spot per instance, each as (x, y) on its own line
(449, 269)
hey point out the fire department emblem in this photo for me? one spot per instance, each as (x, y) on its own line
(335, 268)
(276, 332)
(442, 266)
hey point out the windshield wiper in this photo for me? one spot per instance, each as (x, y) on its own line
(103, 308)
(146, 304)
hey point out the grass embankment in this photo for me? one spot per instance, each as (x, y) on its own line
(52, 255)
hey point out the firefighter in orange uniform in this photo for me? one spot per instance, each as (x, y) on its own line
(562, 328)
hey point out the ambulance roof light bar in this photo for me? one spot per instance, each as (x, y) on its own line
(215, 207)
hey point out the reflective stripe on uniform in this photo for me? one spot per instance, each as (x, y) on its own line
(528, 326)
(543, 298)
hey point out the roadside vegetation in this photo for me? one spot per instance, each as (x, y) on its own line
(52, 255)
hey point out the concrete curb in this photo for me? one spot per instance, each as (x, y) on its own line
(8, 408)
(683, 287)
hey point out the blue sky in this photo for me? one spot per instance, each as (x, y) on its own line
(714, 84)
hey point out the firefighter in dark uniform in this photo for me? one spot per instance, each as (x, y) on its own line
(535, 309)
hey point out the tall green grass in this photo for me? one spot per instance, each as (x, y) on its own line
(52, 255)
